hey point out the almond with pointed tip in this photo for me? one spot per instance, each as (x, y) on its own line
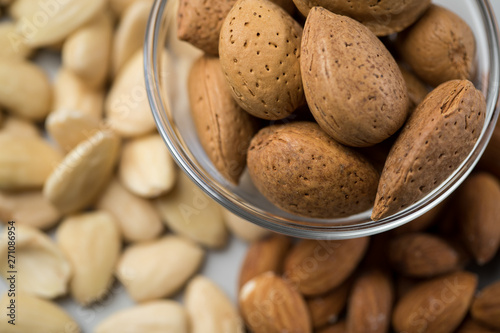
(436, 139)
(29, 208)
(135, 216)
(159, 268)
(209, 309)
(478, 210)
(224, 129)
(42, 269)
(263, 256)
(271, 304)
(486, 306)
(190, 212)
(77, 180)
(438, 305)
(422, 255)
(353, 85)
(36, 315)
(259, 50)
(315, 267)
(370, 303)
(92, 243)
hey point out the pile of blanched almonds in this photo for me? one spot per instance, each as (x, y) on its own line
(97, 202)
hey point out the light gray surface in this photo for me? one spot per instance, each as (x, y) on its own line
(221, 266)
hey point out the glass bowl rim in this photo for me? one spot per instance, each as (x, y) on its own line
(152, 48)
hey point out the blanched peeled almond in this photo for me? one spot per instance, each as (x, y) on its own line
(69, 127)
(16, 126)
(136, 217)
(82, 174)
(129, 35)
(126, 106)
(188, 211)
(25, 161)
(24, 89)
(210, 309)
(43, 24)
(151, 317)
(243, 229)
(92, 243)
(146, 167)
(41, 267)
(87, 51)
(36, 315)
(12, 45)
(28, 208)
(71, 93)
(157, 269)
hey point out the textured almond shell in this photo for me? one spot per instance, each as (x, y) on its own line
(436, 138)
(353, 85)
(439, 47)
(224, 129)
(300, 169)
(259, 54)
(382, 17)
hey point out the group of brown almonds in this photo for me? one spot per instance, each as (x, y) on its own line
(329, 62)
(411, 279)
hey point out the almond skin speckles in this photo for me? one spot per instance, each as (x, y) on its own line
(300, 169)
(259, 50)
(224, 129)
(435, 140)
(352, 84)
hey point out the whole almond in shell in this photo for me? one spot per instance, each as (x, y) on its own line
(78, 179)
(270, 304)
(263, 256)
(199, 22)
(439, 47)
(417, 89)
(315, 267)
(437, 305)
(159, 268)
(152, 317)
(435, 140)
(92, 243)
(327, 308)
(422, 255)
(477, 213)
(127, 209)
(259, 51)
(300, 169)
(486, 306)
(209, 309)
(224, 129)
(370, 303)
(353, 85)
(381, 17)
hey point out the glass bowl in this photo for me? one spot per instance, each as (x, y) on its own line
(167, 93)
